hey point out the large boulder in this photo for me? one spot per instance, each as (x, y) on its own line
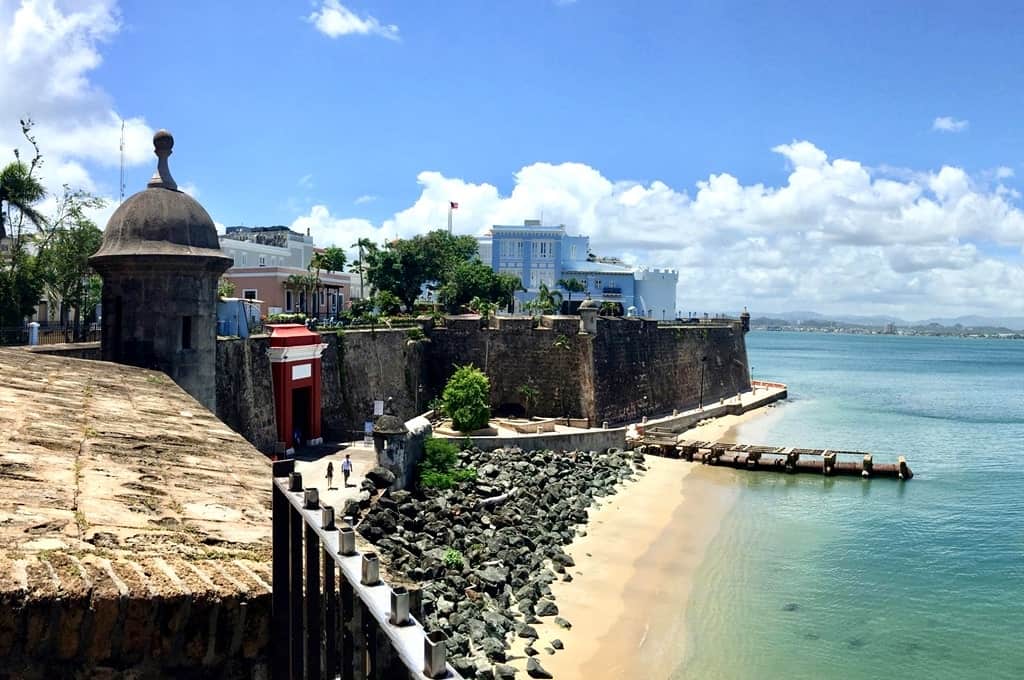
(381, 477)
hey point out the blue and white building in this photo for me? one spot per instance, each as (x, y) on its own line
(546, 254)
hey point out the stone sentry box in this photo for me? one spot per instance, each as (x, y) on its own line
(160, 262)
(295, 354)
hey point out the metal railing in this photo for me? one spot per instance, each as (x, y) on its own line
(48, 335)
(355, 627)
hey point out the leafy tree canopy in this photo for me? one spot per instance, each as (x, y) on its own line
(467, 399)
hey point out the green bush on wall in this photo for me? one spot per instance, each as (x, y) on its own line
(286, 318)
(467, 399)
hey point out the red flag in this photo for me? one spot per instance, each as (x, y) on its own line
(453, 205)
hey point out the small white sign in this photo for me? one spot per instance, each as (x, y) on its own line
(378, 407)
(301, 371)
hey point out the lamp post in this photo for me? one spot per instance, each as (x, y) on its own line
(703, 362)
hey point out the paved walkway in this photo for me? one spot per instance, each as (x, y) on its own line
(312, 461)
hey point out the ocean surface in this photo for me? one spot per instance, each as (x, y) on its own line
(839, 578)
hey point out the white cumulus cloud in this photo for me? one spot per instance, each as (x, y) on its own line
(836, 236)
(949, 124)
(47, 50)
(335, 20)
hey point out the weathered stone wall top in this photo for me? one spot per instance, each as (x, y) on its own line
(100, 455)
(72, 350)
(121, 492)
(565, 325)
(514, 324)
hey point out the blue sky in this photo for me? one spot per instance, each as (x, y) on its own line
(362, 118)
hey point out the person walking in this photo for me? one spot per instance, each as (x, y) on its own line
(346, 468)
(330, 474)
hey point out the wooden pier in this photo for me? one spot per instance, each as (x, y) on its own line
(827, 462)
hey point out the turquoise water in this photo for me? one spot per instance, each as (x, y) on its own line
(838, 578)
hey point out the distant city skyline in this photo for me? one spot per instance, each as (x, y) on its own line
(848, 159)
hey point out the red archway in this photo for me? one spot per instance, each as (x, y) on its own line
(295, 366)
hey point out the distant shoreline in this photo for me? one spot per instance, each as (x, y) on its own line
(900, 333)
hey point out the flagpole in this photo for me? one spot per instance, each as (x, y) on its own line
(449, 218)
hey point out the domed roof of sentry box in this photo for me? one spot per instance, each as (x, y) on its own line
(589, 304)
(160, 220)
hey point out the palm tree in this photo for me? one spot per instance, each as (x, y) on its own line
(364, 245)
(506, 287)
(19, 190)
(571, 285)
(547, 301)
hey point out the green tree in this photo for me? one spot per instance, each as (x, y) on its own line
(20, 190)
(20, 224)
(331, 259)
(363, 245)
(528, 396)
(225, 288)
(610, 309)
(302, 283)
(466, 399)
(466, 281)
(547, 301)
(405, 265)
(570, 286)
(387, 303)
(507, 285)
(485, 308)
(64, 262)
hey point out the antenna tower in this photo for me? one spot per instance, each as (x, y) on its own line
(121, 199)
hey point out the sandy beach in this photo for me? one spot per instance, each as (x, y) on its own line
(635, 568)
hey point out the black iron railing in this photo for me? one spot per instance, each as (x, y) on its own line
(353, 627)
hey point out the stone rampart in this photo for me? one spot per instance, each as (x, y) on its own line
(87, 615)
(134, 528)
(641, 368)
(552, 361)
(361, 366)
(628, 369)
(245, 390)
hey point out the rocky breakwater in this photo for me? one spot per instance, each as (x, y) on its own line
(486, 551)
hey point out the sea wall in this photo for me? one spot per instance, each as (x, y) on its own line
(551, 359)
(590, 440)
(361, 366)
(628, 369)
(245, 390)
(641, 368)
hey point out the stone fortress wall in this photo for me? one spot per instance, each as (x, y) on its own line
(629, 369)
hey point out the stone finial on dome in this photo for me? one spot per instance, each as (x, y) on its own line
(163, 143)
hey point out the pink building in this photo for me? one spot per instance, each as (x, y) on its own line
(265, 258)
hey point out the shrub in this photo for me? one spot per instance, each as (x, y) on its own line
(452, 559)
(437, 406)
(438, 468)
(387, 303)
(467, 399)
(415, 334)
(286, 318)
